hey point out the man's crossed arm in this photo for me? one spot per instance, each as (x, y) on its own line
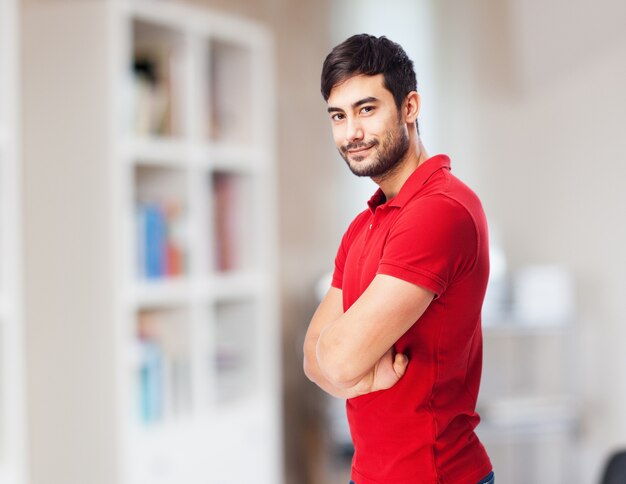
(351, 354)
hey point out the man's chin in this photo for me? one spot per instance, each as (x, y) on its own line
(359, 169)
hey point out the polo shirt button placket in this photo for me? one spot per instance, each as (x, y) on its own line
(368, 236)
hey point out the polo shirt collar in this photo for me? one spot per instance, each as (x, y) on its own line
(413, 183)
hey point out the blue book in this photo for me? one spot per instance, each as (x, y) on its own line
(155, 231)
(151, 382)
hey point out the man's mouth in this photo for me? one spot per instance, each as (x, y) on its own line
(359, 149)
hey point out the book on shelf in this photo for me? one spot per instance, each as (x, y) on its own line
(155, 91)
(233, 221)
(164, 365)
(151, 392)
(159, 240)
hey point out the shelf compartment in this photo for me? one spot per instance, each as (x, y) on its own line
(162, 292)
(234, 356)
(234, 285)
(161, 222)
(155, 152)
(230, 93)
(163, 384)
(229, 157)
(234, 222)
(157, 84)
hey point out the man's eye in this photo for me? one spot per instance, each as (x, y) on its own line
(337, 117)
(367, 109)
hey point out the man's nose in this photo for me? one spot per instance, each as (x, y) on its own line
(354, 130)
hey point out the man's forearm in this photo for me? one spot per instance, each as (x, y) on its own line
(384, 372)
(383, 375)
(329, 310)
(314, 373)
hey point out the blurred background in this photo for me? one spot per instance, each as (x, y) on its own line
(171, 202)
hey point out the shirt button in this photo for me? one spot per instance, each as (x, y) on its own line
(370, 226)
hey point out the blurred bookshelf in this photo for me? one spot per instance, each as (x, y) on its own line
(12, 422)
(188, 149)
(530, 412)
(529, 401)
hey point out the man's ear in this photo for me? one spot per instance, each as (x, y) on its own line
(411, 107)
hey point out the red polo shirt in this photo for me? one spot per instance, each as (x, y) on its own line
(433, 234)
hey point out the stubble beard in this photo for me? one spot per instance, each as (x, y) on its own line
(387, 159)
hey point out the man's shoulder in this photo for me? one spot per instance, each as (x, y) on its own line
(452, 207)
(445, 192)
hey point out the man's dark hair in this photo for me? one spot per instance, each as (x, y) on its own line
(369, 55)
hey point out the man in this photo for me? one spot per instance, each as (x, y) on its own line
(398, 333)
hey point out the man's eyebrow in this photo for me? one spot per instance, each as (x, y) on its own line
(360, 102)
(365, 100)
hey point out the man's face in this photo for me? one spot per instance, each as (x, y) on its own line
(368, 130)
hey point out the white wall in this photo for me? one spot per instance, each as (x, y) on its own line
(68, 269)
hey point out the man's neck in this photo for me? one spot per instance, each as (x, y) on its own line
(415, 156)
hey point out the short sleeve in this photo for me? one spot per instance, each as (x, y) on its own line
(432, 242)
(340, 262)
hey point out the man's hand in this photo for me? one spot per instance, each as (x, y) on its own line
(385, 373)
(349, 347)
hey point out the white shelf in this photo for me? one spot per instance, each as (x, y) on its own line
(167, 292)
(232, 158)
(173, 153)
(530, 414)
(235, 285)
(154, 151)
(528, 406)
(145, 328)
(498, 433)
(160, 293)
(513, 329)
